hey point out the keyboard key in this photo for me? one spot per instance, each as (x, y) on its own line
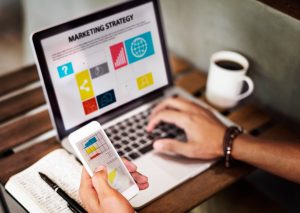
(165, 129)
(117, 146)
(132, 138)
(127, 149)
(140, 134)
(134, 155)
(126, 157)
(142, 141)
(135, 145)
(114, 131)
(121, 153)
(146, 149)
(170, 126)
(156, 135)
(150, 137)
(125, 142)
(124, 134)
(122, 127)
(170, 135)
(116, 138)
(131, 130)
(179, 131)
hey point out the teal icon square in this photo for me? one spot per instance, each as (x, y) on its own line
(106, 98)
(65, 70)
(139, 47)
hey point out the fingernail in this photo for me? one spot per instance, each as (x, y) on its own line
(100, 168)
(148, 129)
(158, 146)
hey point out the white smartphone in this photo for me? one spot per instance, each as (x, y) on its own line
(94, 149)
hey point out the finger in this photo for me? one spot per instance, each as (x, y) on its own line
(139, 178)
(143, 186)
(85, 178)
(168, 146)
(129, 165)
(177, 103)
(180, 119)
(87, 193)
(100, 183)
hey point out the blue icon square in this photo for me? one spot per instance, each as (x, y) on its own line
(65, 70)
(139, 47)
(106, 98)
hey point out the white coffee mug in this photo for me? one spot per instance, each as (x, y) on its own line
(225, 82)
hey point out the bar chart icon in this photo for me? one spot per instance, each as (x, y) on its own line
(118, 55)
(120, 58)
(94, 147)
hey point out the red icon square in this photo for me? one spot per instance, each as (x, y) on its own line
(118, 55)
(90, 106)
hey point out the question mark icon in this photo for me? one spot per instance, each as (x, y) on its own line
(65, 69)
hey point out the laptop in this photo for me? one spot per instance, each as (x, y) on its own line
(112, 66)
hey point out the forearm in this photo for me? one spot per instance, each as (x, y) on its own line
(279, 158)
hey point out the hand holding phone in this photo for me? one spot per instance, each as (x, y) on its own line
(94, 149)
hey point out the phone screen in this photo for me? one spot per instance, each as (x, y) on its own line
(96, 151)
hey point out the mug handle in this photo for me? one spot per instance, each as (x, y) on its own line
(250, 88)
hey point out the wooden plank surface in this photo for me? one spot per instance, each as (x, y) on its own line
(21, 160)
(24, 129)
(21, 103)
(178, 64)
(280, 132)
(18, 79)
(289, 7)
(192, 81)
(249, 117)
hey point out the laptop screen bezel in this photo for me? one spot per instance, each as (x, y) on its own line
(45, 75)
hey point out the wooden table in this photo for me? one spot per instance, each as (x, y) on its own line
(23, 119)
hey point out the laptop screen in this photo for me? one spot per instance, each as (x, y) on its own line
(106, 63)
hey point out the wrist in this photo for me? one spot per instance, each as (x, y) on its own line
(230, 136)
(219, 151)
(240, 145)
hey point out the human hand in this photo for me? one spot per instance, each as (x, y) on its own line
(141, 180)
(89, 195)
(204, 131)
(98, 196)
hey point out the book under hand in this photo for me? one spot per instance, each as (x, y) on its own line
(35, 195)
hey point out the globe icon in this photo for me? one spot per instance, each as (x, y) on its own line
(138, 47)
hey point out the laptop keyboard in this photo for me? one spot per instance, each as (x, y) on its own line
(131, 139)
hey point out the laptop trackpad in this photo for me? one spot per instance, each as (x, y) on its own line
(165, 172)
(159, 181)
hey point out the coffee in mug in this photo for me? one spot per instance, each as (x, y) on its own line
(227, 73)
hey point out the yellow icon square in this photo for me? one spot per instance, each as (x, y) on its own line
(144, 81)
(84, 85)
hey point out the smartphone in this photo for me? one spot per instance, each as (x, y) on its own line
(94, 149)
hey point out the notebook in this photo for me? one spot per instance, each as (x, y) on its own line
(35, 195)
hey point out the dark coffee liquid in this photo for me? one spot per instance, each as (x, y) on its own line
(229, 65)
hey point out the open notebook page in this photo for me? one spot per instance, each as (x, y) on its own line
(35, 195)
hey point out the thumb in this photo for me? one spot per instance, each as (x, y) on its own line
(100, 183)
(171, 146)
